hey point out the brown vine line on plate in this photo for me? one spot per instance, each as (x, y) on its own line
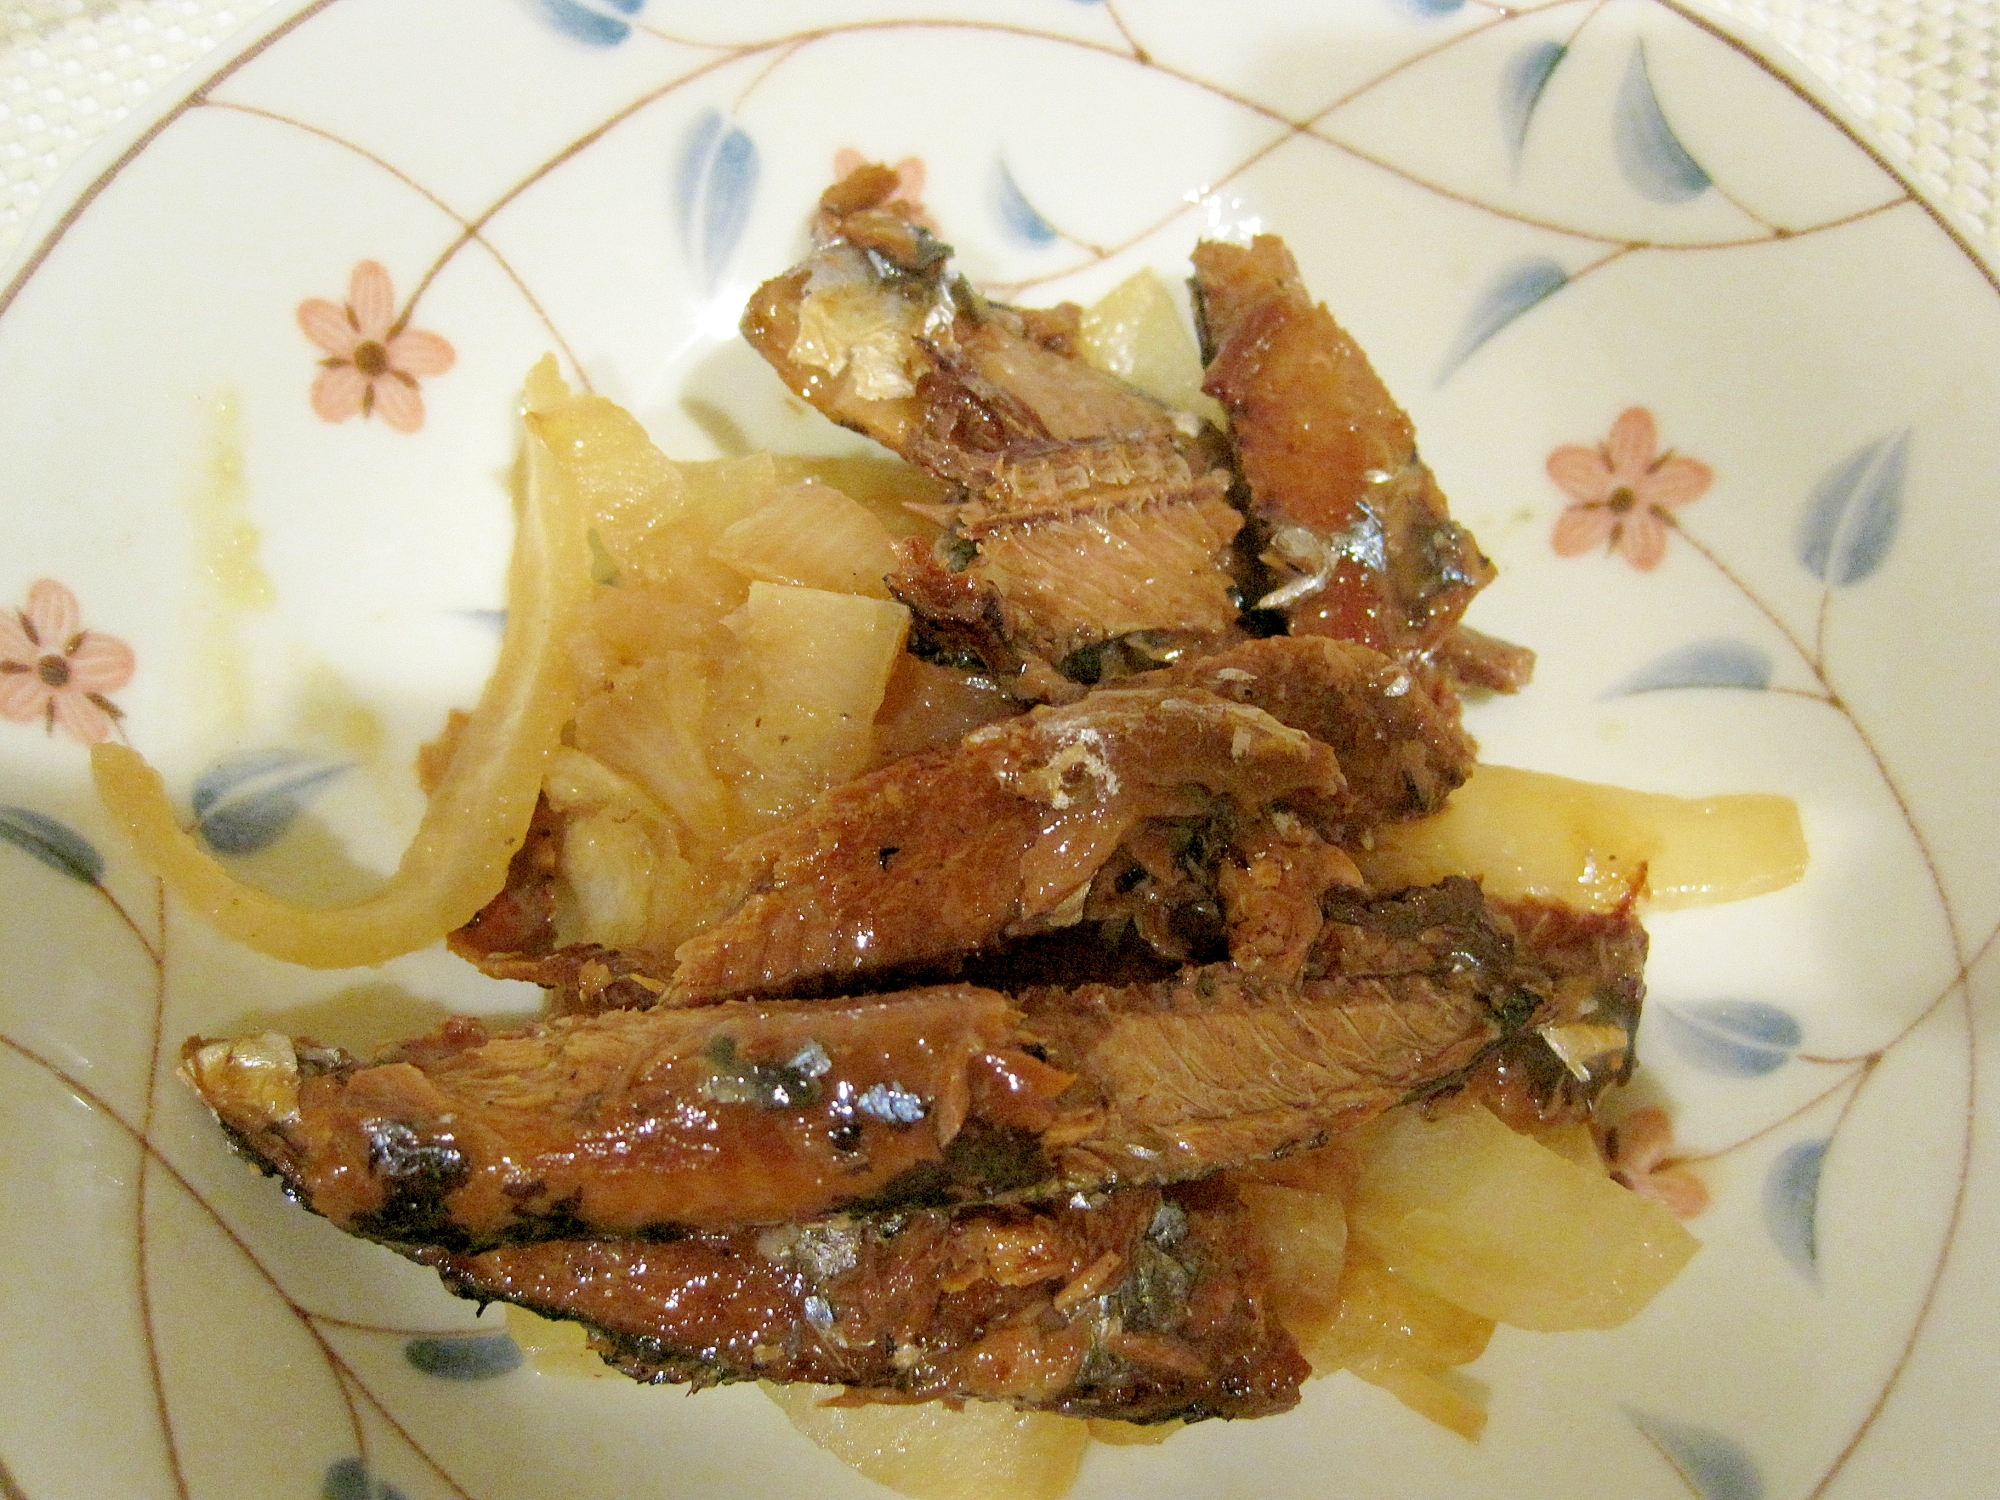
(347, 1381)
(1866, 1065)
(779, 49)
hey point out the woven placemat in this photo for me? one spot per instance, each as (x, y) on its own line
(1919, 72)
(70, 69)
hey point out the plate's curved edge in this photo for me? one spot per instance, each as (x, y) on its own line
(124, 143)
(1797, 75)
(99, 164)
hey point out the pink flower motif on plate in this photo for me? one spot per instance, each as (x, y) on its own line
(1639, 1152)
(1624, 491)
(373, 360)
(909, 181)
(54, 670)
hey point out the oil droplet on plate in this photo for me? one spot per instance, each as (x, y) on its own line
(226, 546)
(330, 711)
(226, 540)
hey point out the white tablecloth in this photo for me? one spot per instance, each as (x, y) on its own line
(1919, 72)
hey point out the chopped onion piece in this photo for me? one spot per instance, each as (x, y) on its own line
(478, 814)
(1137, 331)
(930, 1452)
(1506, 1228)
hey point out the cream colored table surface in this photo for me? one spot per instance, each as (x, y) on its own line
(1919, 73)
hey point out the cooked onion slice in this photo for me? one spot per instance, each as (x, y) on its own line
(1525, 833)
(1498, 1224)
(478, 814)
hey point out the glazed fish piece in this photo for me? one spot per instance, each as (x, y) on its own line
(1575, 982)
(1143, 1305)
(514, 935)
(1220, 1068)
(953, 852)
(1419, 991)
(653, 1122)
(621, 1122)
(1473, 659)
(1353, 522)
(953, 885)
(874, 330)
(985, 847)
(1085, 512)
(657, 1121)
(1108, 566)
(518, 925)
(1400, 744)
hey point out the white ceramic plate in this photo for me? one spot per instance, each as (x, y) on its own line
(1535, 221)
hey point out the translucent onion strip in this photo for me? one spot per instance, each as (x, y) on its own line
(478, 815)
(1526, 833)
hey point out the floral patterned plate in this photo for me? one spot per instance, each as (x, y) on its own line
(1717, 391)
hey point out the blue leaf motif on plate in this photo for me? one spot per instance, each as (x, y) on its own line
(1851, 518)
(1515, 290)
(349, 1479)
(595, 23)
(714, 188)
(1718, 663)
(1526, 75)
(1428, 10)
(483, 1356)
(1022, 219)
(1715, 1467)
(1735, 1038)
(56, 845)
(1791, 1205)
(245, 803)
(1649, 153)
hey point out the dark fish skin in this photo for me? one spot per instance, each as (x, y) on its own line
(1144, 1305)
(622, 1122)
